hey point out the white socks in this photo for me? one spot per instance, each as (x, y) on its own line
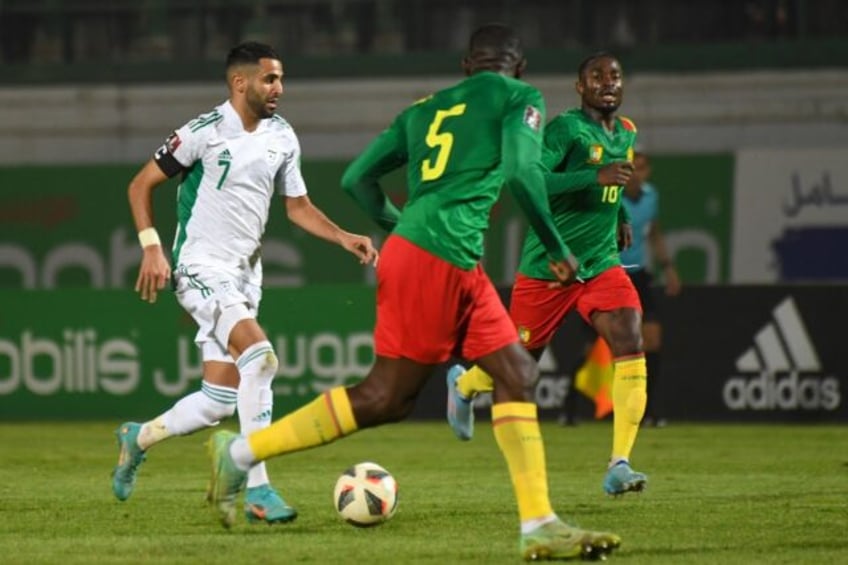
(241, 453)
(257, 366)
(201, 409)
(528, 526)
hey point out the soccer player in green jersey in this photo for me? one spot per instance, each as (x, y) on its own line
(460, 146)
(589, 153)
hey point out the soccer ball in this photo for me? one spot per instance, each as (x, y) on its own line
(366, 495)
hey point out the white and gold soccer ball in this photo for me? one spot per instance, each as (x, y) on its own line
(366, 495)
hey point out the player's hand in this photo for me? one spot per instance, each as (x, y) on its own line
(616, 174)
(154, 273)
(564, 271)
(625, 236)
(361, 246)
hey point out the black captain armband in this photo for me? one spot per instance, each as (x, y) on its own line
(166, 160)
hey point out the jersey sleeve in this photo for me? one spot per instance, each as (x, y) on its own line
(361, 179)
(521, 150)
(181, 150)
(289, 178)
(558, 142)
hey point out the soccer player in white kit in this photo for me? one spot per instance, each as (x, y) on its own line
(233, 159)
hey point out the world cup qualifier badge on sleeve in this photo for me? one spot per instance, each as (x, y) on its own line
(173, 142)
(533, 118)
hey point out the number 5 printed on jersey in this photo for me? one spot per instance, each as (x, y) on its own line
(442, 140)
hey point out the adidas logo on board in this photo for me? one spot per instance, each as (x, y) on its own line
(781, 370)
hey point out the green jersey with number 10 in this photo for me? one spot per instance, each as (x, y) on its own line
(456, 144)
(585, 212)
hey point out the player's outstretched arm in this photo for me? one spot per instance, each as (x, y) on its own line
(155, 270)
(361, 179)
(521, 165)
(525, 182)
(303, 213)
(523, 177)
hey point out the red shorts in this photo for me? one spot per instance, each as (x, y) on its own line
(539, 310)
(429, 309)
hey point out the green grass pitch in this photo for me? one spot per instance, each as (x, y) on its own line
(717, 494)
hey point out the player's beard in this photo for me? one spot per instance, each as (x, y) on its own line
(258, 105)
(607, 108)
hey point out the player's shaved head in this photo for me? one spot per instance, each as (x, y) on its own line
(494, 47)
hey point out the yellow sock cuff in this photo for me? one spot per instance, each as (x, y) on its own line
(474, 381)
(325, 419)
(509, 411)
(631, 366)
(339, 405)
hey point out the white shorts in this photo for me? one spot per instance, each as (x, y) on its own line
(204, 292)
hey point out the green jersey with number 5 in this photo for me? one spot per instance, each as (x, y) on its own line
(586, 213)
(460, 145)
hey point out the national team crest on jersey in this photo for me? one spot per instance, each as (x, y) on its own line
(272, 156)
(524, 334)
(596, 153)
(533, 118)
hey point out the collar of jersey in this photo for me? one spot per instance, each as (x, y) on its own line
(232, 121)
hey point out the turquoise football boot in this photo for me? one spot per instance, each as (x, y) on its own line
(130, 458)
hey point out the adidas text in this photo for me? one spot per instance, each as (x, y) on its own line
(791, 392)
